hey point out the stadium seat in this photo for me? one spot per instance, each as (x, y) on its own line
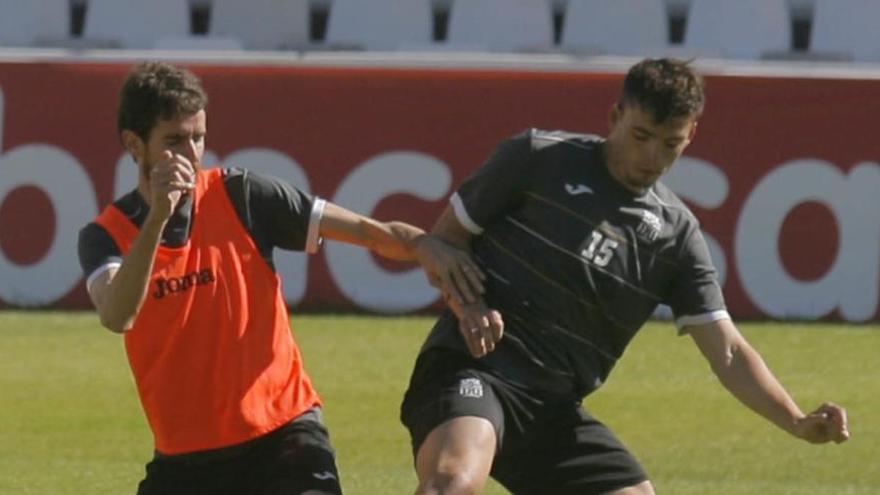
(744, 29)
(846, 30)
(380, 24)
(34, 22)
(621, 27)
(500, 25)
(135, 23)
(261, 24)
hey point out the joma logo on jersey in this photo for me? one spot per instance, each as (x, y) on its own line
(650, 227)
(173, 285)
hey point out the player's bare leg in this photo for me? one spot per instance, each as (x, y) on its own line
(456, 457)
(643, 488)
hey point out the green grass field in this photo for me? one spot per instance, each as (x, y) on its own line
(71, 423)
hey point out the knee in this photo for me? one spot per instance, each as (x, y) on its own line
(451, 482)
(645, 488)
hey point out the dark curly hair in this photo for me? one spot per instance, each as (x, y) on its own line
(666, 88)
(154, 91)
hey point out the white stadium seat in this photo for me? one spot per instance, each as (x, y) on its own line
(380, 24)
(34, 22)
(135, 23)
(261, 24)
(744, 29)
(500, 25)
(846, 29)
(619, 27)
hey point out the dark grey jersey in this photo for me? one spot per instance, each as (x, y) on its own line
(577, 263)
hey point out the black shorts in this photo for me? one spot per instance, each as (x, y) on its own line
(290, 460)
(545, 444)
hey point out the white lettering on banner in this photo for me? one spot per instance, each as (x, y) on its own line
(291, 266)
(355, 272)
(62, 178)
(851, 284)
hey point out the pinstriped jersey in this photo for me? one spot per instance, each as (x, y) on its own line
(576, 262)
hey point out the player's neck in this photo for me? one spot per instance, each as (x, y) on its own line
(143, 190)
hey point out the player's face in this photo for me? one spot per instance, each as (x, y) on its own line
(639, 150)
(184, 136)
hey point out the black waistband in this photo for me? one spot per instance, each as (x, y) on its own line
(232, 451)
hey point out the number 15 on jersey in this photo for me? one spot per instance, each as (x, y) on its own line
(600, 250)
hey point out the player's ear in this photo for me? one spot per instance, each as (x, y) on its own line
(693, 131)
(134, 145)
(614, 115)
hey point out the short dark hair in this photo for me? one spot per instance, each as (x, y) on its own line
(158, 90)
(666, 88)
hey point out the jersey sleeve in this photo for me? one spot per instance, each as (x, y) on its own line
(696, 297)
(495, 187)
(97, 252)
(278, 214)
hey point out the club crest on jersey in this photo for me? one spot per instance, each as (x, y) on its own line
(470, 387)
(650, 227)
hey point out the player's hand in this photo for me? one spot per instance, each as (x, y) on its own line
(450, 269)
(828, 423)
(481, 328)
(170, 178)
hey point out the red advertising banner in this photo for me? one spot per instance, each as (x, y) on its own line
(783, 173)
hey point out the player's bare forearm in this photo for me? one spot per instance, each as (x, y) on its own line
(394, 240)
(119, 298)
(119, 295)
(747, 377)
(744, 373)
(448, 268)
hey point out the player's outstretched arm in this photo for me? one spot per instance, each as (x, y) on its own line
(743, 372)
(448, 268)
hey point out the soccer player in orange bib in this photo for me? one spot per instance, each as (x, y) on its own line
(182, 266)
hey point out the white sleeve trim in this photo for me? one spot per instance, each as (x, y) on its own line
(702, 319)
(313, 238)
(462, 215)
(98, 272)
